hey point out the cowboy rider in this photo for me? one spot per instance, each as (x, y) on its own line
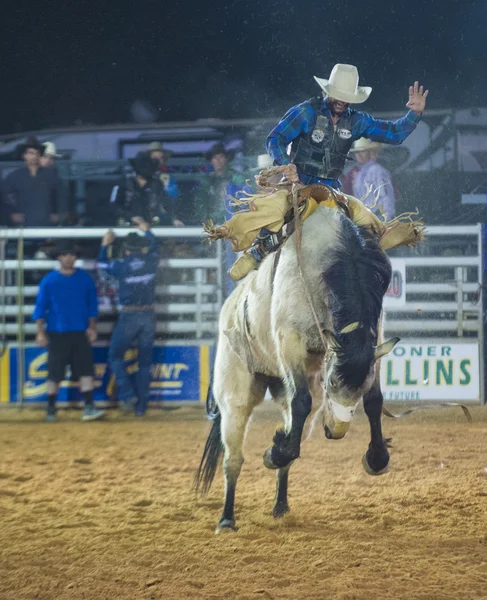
(321, 132)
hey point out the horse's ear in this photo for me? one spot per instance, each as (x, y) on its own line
(330, 339)
(385, 348)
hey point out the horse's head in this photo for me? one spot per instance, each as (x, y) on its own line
(349, 372)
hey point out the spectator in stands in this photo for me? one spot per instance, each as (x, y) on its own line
(34, 196)
(157, 152)
(65, 312)
(136, 274)
(369, 179)
(48, 158)
(214, 193)
(142, 195)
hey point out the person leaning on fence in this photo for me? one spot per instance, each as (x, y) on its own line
(136, 274)
(65, 312)
(158, 152)
(212, 196)
(142, 195)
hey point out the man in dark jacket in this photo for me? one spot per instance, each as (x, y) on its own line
(142, 195)
(33, 196)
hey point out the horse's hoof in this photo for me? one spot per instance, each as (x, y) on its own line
(268, 459)
(370, 470)
(280, 510)
(226, 526)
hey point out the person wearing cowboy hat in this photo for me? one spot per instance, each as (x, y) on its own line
(157, 151)
(218, 186)
(321, 132)
(34, 196)
(49, 155)
(370, 181)
(136, 275)
(142, 195)
(65, 312)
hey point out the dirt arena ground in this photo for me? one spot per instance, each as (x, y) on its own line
(104, 511)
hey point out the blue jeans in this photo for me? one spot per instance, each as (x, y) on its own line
(133, 329)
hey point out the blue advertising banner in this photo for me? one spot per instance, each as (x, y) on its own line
(179, 373)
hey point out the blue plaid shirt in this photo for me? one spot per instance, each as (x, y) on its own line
(301, 119)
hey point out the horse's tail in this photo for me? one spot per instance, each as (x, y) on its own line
(213, 447)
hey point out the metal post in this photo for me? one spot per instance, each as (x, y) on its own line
(20, 319)
(3, 298)
(198, 278)
(459, 282)
(220, 273)
(483, 312)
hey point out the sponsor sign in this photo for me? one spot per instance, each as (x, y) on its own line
(431, 372)
(179, 373)
(396, 292)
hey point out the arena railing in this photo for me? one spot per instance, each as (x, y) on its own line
(439, 299)
(189, 289)
(439, 316)
(442, 291)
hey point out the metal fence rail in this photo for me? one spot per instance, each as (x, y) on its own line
(188, 294)
(443, 286)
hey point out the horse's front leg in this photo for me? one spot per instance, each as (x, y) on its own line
(376, 459)
(287, 442)
(281, 506)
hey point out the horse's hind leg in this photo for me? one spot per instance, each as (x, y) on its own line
(247, 392)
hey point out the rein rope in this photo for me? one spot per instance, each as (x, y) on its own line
(297, 221)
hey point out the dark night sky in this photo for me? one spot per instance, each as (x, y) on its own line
(63, 61)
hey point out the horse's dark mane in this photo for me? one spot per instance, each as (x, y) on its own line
(356, 281)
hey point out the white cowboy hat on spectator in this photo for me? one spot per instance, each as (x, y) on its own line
(264, 161)
(365, 145)
(51, 150)
(343, 85)
(158, 147)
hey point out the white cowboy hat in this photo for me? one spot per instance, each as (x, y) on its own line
(365, 145)
(158, 147)
(264, 161)
(50, 150)
(343, 85)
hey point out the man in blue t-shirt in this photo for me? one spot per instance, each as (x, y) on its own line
(65, 312)
(136, 274)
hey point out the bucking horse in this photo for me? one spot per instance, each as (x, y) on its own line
(306, 327)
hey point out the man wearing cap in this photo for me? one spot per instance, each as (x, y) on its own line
(321, 132)
(136, 274)
(34, 196)
(220, 184)
(370, 181)
(65, 313)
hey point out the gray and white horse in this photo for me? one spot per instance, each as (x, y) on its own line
(269, 339)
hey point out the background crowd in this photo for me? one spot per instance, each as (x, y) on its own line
(35, 196)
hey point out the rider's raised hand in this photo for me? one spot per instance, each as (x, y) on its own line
(417, 98)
